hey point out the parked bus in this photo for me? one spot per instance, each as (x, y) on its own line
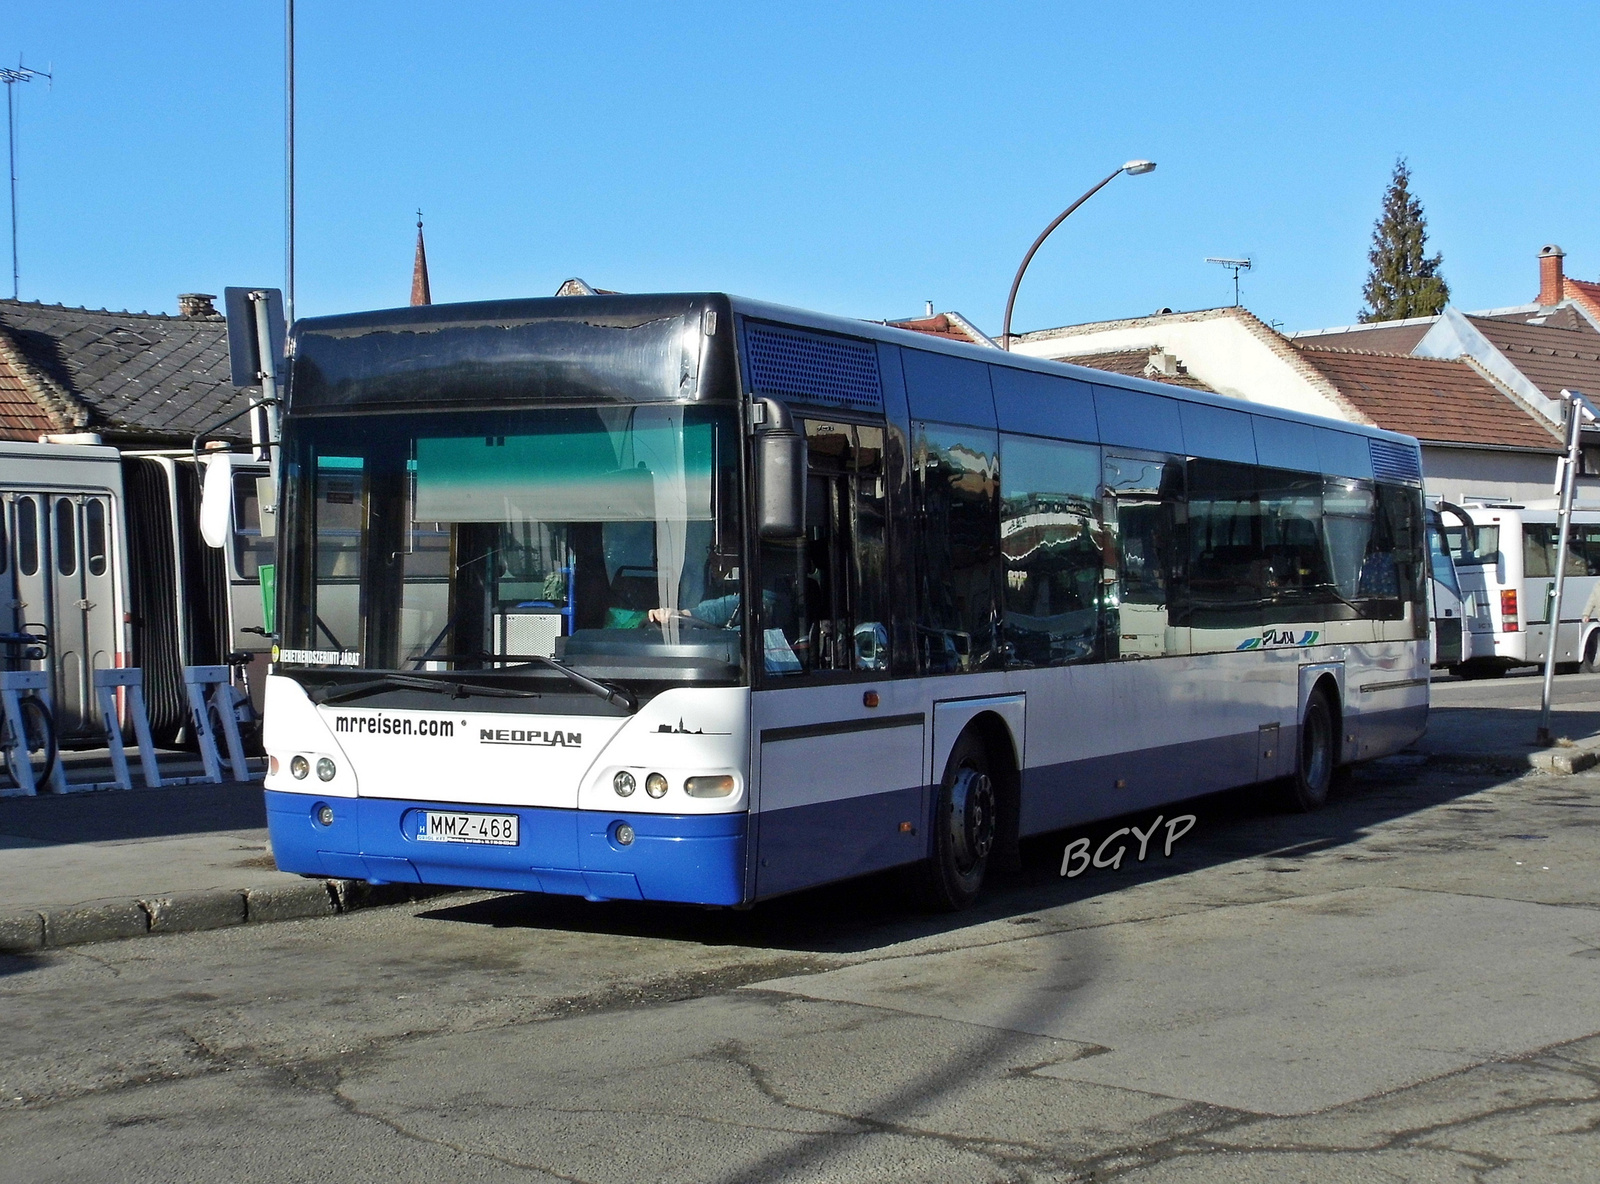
(99, 554)
(1508, 572)
(690, 598)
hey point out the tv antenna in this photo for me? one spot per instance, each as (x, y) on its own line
(11, 77)
(1235, 266)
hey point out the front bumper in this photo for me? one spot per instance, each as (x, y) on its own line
(686, 858)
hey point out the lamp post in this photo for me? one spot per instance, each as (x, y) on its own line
(1133, 168)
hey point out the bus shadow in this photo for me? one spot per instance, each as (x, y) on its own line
(877, 911)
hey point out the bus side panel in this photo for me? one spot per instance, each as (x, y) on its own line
(1110, 739)
(841, 797)
(1386, 693)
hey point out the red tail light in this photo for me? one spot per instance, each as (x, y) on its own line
(1508, 609)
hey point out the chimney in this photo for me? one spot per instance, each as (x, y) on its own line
(1552, 284)
(196, 306)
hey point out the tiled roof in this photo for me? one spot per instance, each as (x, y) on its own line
(1430, 398)
(1584, 293)
(132, 376)
(22, 417)
(945, 324)
(1563, 351)
(1136, 362)
(1384, 337)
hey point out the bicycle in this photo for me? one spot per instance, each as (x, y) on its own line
(38, 745)
(244, 710)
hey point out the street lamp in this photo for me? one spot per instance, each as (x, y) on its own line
(1133, 168)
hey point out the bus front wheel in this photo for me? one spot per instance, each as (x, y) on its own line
(1308, 788)
(964, 829)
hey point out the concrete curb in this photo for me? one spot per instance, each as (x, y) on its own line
(188, 912)
(1564, 759)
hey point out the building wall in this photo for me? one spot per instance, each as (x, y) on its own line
(1456, 474)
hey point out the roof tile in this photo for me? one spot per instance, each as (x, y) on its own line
(1433, 399)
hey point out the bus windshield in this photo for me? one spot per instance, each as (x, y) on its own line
(607, 538)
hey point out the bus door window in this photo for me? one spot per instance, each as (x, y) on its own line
(1143, 497)
(1399, 547)
(1052, 540)
(825, 598)
(959, 576)
(340, 510)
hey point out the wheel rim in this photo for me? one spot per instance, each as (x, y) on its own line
(1318, 756)
(971, 821)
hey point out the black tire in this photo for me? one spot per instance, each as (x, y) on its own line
(1480, 669)
(964, 829)
(1591, 655)
(1313, 775)
(39, 730)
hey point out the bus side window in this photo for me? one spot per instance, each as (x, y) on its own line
(1143, 496)
(959, 574)
(1051, 541)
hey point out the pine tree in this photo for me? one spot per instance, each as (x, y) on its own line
(1403, 281)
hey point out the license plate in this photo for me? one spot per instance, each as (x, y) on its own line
(497, 830)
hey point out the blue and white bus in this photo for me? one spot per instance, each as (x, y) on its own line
(692, 598)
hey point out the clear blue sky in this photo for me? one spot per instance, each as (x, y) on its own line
(852, 158)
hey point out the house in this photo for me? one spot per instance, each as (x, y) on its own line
(136, 379)
(952, 326)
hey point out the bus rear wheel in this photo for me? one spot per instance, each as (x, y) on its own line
(964, 829)
(1313, 777)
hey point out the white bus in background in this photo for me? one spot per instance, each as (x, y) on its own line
(1507, 575)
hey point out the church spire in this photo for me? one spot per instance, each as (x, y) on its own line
(419, 270)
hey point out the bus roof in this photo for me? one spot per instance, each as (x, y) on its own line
(634, 310)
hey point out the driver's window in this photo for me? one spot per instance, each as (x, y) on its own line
(824, 597)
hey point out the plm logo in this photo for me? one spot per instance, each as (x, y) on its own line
(1271, 639)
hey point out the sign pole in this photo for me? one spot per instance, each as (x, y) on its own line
(1579, 407)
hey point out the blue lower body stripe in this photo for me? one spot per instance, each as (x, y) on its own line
(686, 858)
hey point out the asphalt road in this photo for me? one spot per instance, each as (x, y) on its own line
(1404, 987)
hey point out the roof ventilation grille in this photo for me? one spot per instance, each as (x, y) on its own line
(1395, 462)
(831, 371)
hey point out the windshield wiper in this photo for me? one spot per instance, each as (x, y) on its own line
(455, 690)
(616, 696)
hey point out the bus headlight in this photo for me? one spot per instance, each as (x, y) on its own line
(299, 767)
(623, 833)
(623, 783)
(709, 787)
(655, 785)
(325, 814)
(326, 769)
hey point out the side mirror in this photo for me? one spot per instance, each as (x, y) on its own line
(780, 454)
(216, 500)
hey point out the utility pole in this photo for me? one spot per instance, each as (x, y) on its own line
(11, 77)
(288, 159)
